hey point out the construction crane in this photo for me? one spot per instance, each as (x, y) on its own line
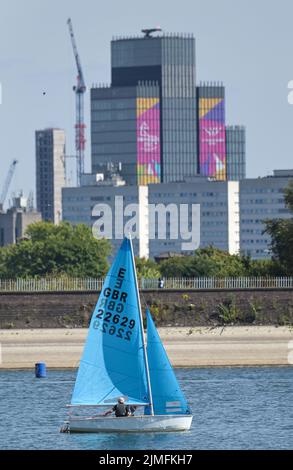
(79, 90)
(7, 183)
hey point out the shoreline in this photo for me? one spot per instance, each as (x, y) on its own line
(231, 346)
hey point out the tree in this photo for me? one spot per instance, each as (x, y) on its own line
(206, 262)
(53, 250)
(261, 267)
(147, 268)
(281, 232)
(288, 192)
(179, 266)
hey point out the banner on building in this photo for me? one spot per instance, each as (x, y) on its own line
(212, 138)
(148, 141)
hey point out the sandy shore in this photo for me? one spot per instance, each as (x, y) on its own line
(186, 347)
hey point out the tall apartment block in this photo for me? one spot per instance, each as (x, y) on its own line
(144, 125)
(235, 153)
(50, 173)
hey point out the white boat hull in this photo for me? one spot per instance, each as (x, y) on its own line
(168, 423)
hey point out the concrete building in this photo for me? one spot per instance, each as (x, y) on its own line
(261, 199)
(50, 172)
(14, 222)
(229, 215)
(107, 208)
(173, 217)
(236, 153)
(218, 220)
(144, 125)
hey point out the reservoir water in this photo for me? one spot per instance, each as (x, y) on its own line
(234, 408)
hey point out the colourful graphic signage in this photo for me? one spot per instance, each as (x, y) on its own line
(212, 138)
(148, 141)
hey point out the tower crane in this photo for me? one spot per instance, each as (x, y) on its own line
(7, 183)
(79, 90)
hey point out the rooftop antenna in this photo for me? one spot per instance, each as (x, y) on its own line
(148, 32)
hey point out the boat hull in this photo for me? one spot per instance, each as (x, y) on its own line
(159, 423)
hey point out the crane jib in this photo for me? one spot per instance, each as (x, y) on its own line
(7, 182)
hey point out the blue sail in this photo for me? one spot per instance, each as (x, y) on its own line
(166, 393)
(112, 363)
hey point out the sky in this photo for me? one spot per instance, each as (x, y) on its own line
(246, 45)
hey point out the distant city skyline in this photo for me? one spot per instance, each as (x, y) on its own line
(247, 47)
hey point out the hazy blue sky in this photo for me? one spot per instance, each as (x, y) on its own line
(247, 45)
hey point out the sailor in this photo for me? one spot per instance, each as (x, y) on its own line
(120, 409)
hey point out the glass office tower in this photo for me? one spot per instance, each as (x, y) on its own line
(144, 125)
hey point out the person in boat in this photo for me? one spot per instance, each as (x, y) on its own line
(121, 410)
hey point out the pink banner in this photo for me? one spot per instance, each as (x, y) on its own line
(148, 141)
(212, 138)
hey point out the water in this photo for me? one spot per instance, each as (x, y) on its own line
(234, 408)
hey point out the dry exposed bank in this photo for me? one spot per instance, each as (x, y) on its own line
(186, 347)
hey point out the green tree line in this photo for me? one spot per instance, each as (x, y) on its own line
(56, 250)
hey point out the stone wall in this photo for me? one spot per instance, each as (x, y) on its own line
(169, 308)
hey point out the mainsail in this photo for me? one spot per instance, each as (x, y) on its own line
(166, 393)
(113, 362)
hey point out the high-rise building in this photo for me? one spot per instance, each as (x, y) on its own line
(144, 125)
(126, 133)
(50, 173)
(236, 153)
(211, 130)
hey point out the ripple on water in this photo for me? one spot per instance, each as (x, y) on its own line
(234, 408)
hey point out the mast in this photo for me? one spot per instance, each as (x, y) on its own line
(142, 331)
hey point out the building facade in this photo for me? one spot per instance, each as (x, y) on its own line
(125, 123)
(236, 153)
(173, 217)
(107, 209)
(216, 224)
(50, 173)
(228, 215)
(261, 199)
(14, 222)
(211, 130)
(144, 125)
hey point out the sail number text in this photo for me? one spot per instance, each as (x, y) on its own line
(109, 317)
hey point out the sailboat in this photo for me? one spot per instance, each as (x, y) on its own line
(117, 362)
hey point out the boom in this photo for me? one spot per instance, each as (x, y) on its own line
(7, 182)
(80, 77)
(79, 90)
